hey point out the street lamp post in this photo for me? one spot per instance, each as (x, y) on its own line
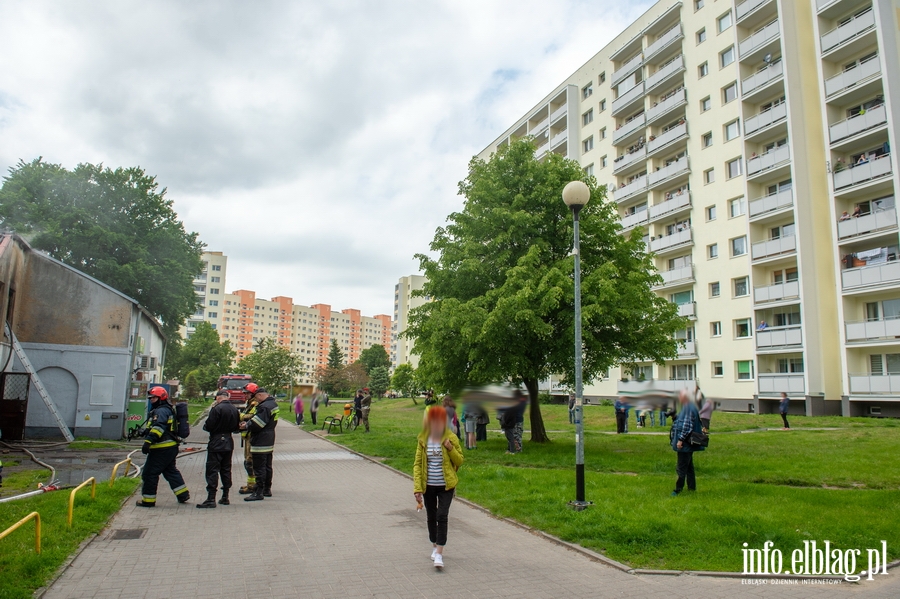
(576, 195)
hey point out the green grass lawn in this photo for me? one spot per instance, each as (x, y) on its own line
(787, 487)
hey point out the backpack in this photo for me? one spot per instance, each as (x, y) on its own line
(182, 421)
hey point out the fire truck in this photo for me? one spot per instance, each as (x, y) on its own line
(234, 383)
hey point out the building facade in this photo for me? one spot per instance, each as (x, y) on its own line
(404, 301)
(210, 289)
(750, 144)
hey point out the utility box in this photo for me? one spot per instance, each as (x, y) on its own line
(112, 426)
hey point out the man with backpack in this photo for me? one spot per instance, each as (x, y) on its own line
(161, 448)
(222, 421)
(262, 439)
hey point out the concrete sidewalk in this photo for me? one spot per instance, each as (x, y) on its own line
(341, 526)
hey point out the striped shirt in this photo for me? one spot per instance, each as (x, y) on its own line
(435, 464)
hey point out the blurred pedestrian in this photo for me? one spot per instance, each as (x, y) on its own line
(519, 415)
(621, 416)
(365, 405)
(507, 421)
(481, 424)
(314, 406)
(783, 408)
(706, 409)
(686, 422)
(298, 409)
(470, 415)
(571, 408)
(452, 418)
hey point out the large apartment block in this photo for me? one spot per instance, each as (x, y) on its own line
(750, 144)
(404, 301)
(209, 286)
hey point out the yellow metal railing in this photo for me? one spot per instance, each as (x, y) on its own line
(93, 482)
(37, 529)
(115, 470)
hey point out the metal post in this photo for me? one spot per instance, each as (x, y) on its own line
(579, 503)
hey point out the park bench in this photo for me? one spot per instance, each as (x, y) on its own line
(333, 422)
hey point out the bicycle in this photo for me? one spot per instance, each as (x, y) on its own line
(352, 421)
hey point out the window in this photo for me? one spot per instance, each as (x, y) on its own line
(711, 212)
(587, 90)
(213, 302)
(737, 207)
(790, 365)
(712, 251)
(217, 267)
(733, 168)
(717, 369)
(214, 279)
(588, 144)
(741, 287)
(703, 70)
(603, 133)
(602, 77)
(213, 291)
(743, 328)
(715, 329)
(744, 369)
(714, 289)
(698, 4)
(726, 57)
(213, 315)
(729, 93)
(588, 117)
(603, 162)
(739, 246)
(707, 139)
(732, 129)
(682, 372)
(709, 175)
(589, 170)
(705, 104)
(724, 22)
(701, 36)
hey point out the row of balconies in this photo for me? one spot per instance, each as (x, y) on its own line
(856, 174)
(664, 75)
(869, 223)
(857, 25)
(764, 35)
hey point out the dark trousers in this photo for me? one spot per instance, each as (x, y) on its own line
(481, 432)
(784, 419)
(510, 439)
(437, 508)
(704, 422)
(685, 470)
(262, 470)
(313, 416)
(364, 418)
(218, 464)
(162, 461)
(621, 422)
(298, 419)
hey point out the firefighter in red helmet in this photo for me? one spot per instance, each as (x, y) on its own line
(161, 448)
(247, 413)
(261, 427)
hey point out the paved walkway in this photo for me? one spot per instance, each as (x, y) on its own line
(341, 526)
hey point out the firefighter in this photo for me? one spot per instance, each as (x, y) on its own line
(248, 412)
(161, 448)
(262, 441)
(222, 421)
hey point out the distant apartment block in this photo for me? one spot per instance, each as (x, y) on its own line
(404, 301)
(209, 286)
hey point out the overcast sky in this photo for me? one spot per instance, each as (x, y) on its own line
(317, 143)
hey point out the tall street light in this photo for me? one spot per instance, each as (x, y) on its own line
(576, 195)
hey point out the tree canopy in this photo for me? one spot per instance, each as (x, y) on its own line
(272, 366)
(374, 357)
(379, 380)
(205, 355)
(502, 285)
(335, 355)
(404, 380)
(115, 225)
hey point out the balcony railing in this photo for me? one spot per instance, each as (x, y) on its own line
(558, 113)
(770, 159)
(628, 97)
(539, 127)
(629, 127)
(631, 158)
(867, 276)
(671, 170)
(875, 384)
(820, 4)
(852, 76)
(847, 31)
(666, 71)
(772, 202)
(688, 310)
(872, 117)
(876, 221)
(675, 239)
(777, 292)
(861, 173)
(627, 68)
(870, 330)
(762, 77)
(677, 202)
(559, 138)
(633, 220)
(664, 40)
(759, 38)
(636, 186)
(773, 247)
(688, 349)
(666, 138)
(791, 384)
(779, 337)
(746, 7)
(666, 105)
(640, 387)
(765, 118)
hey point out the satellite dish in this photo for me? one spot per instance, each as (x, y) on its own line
(768, 58)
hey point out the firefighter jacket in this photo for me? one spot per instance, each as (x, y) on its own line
(223, 420)
(248, 412)
(161, 433)
(262, 426)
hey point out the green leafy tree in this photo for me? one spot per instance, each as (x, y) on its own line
(335, 356)
(191, 386)
(374, 357)
(379, 380)
(330, 380)
(115, 225)
(272, 366)
(355, 377)
(503, 290)
(204, 354)
(404, 380)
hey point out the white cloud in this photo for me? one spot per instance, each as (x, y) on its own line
(318, 144)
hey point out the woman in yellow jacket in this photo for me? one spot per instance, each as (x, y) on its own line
(438, 457)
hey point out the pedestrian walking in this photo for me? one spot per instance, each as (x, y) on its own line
(161, 448)
(519, 415)
(222, 421)
(314, 406)
(438, 458)
(706, 409)
(470, 415)
(365, 405)
(481, 424)
(783, 410)
(621, 415)
(686, 422)
(507, 423)
(452, 418)
(298, 409)
(262, 440)
(571, 408)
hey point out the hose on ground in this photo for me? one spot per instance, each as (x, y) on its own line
(33, 459)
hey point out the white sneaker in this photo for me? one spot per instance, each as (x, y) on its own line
(433, 553)
(438, 561)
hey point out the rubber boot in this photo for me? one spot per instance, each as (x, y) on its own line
(247, 489)
(256, 496)
(143, 503)
(224, 500)
(184, 497)
(209, 503)
(267, 492)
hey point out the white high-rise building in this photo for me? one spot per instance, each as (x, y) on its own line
(404, 302)
(209, 286)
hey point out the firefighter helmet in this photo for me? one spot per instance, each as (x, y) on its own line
(157, 394)
(251, 388)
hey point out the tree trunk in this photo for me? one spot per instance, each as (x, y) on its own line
(538, 433)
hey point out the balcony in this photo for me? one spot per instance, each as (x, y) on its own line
(853, 76)
(633, 220)
(769, 160)
(820, 4)
(643, 387)
(863, 173)
(539, 128)
(663, 107)
(776, 293)
(628, 128)
(688, 310)
(765, 119)
(628, 100)
(745, 8)
(664, 139)
(559, 112)
(632, 189)
(871, 276)
(663, 41)
(871, 118)
(773, 384)
(675, 204)
(628, 68)
(875, 384)
(629, 159)
(677, 276)
(776, 338)
(870, 223)
(758, 39)
(843, 33)
(872, 330)
(669, 242)
(674, 169)
(559, 138)
(771, 203)
(762, 78)
(688, 350)
(773, 247)
(666, 73)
